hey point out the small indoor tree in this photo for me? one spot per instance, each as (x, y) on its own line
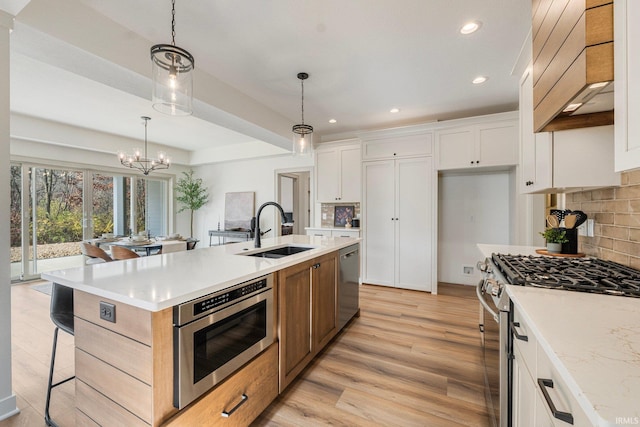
(191, 194)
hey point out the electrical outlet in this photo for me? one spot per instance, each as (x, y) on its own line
(590, 227)
(107, 312)
(324, 215)
(467, 270)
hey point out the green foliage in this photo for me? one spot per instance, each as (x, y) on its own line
(191, 194)
(555, 235)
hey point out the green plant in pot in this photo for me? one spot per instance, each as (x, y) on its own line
(555, 237)
(191, 194)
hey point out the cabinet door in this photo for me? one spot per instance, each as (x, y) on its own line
(324, 310)
(455, 148)
(524, 394)
(350, 174)
(627, 84)
(497, 144)
(294, 298)
(398, 146)
(327, 175)
(379, 221)
(415, 223)
(527, 142)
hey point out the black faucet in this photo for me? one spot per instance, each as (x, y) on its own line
(257, 222)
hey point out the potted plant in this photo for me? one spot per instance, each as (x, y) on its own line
(192, 194)
(555, 237)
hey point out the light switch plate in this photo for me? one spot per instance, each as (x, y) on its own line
(108, 312)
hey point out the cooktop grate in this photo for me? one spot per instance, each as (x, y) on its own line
(577, 274)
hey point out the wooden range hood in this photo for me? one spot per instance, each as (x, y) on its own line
(572, 52)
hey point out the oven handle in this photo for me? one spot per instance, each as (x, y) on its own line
(484, 303)
(543, 383)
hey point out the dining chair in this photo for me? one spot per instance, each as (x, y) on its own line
(61, 313)
(94, 253)
(119, 253)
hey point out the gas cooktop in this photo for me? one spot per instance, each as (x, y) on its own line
(576, 274)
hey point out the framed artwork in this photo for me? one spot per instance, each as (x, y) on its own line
(342, 215)
(238, 210)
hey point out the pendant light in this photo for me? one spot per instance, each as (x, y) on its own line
(172, 75)
(302, 134)
(141, 161)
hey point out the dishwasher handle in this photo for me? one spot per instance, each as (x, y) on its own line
(350, 254)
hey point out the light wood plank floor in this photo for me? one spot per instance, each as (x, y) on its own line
(411, 359)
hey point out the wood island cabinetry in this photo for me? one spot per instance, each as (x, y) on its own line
(308, 315)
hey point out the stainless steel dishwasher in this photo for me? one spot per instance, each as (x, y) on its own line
(348, 284)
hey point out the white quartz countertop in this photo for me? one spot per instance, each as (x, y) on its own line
(160, 281)
(592, 340)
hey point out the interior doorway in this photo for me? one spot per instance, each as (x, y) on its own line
(293, 193)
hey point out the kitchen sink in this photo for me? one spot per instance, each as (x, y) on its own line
(280, 252)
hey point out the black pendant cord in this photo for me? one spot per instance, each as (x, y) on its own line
(173, 22)
(302, 109)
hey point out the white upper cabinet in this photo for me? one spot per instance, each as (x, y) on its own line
(381, 146)
(488, 143)
(627, 84)
(338, 174)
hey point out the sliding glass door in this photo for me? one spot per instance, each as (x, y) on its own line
(53, 209)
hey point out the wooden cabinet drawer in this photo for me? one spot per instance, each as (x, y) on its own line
(258, 380)
(124, 390)
(559, 394)
(115, 349)
(130, 321)
(94, 409)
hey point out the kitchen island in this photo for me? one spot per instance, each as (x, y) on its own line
(125, 360)
(589, 343)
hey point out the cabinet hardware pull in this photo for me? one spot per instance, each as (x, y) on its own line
(543, 383)
(316, 265)
(515, 325)
(244, 398)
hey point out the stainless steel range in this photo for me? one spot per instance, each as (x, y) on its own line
(496, 320)
(575, 274)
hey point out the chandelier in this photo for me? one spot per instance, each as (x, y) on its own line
(142, 162)
(302, 134)
(172, 75)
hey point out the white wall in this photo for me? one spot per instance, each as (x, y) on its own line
(473, 208)
(256, 175)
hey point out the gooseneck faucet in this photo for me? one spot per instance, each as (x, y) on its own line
(257, 231)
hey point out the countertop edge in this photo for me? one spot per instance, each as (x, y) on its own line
(276, 265)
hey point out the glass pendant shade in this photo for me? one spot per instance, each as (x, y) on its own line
(302, 140)
(172, 79)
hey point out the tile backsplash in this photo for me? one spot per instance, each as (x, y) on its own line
(616, 211)
(327, 212)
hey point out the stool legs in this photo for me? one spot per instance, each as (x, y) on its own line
(50, 385)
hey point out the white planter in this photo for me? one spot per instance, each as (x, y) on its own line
(554, 248)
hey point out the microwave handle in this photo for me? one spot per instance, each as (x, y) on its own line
(484, 303)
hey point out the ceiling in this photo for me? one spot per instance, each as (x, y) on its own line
(85, 63)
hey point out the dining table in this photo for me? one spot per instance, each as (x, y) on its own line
(148, 246)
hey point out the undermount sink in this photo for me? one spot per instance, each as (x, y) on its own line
(280, 252)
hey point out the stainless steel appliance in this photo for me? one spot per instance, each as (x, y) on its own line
(348, 284)
(218, 333)
(496, 344)
(496, 321)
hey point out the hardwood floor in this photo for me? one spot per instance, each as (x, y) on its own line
(410, 359)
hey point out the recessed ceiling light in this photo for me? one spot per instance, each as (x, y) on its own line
(470, 27)
(572, 107)
(598, 85)
(394, 110)
(479, 80)
(332, 121)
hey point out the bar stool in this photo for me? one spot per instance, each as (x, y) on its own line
(61, 313)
